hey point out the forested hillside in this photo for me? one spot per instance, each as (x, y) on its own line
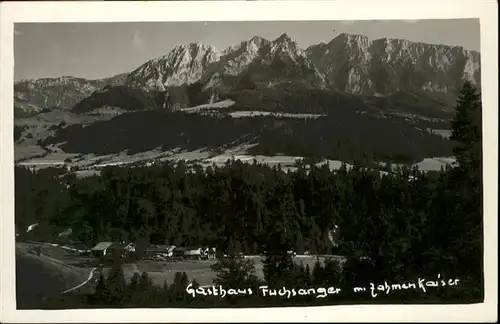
(390, 226)
(344, 134)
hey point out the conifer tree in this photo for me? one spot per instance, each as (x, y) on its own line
(184, 279)
(466, 129)
(133, 289)
(195, 283)
(307, 275)
(165, 287)
(466, 223)
(100, 290)
(278, 264)
(134, 281)
(144, 282)
(115, 283)
(332, 272)
(177, 289)
(317, 273)
(234, 271)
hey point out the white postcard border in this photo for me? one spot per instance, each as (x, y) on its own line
(486, 11)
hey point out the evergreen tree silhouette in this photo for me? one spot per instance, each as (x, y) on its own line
(234, 271)
(115, 283)
(465, 228)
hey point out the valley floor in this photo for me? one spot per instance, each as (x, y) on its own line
(90, 164)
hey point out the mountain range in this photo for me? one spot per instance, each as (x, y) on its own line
(350, 99)
(383, 72)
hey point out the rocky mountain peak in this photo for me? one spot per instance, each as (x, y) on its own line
(352, 39)
(284, 38)
(258, 40)
(184, 64)
(355, 64)
(285, 47)
(234, 60)
(347, 63)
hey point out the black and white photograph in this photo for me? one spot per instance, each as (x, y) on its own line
(248, 164)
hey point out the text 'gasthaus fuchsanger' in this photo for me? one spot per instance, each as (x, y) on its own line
(375, 289)
(264, 291)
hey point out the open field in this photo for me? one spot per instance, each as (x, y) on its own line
(158, 271)
(213, 106)
(243, 114)
(90, 164)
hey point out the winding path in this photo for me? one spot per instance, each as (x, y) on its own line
(91, 275)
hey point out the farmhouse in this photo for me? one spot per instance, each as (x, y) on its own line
(170, 250)
(153, 250)
(190, 253)
(163, 250)
(130, 247)
(102, 248)
(109, 249)
(193, 253)
(179, 251)
(85, 253)
(208, 253)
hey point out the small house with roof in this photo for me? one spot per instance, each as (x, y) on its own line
(128, 247)
(179, 251)
(170, 250)
(110, 249)
(102, 249)
(193, 253)
(208, 253)
(162, 250)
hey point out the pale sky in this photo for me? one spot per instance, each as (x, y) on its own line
(97, 50)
